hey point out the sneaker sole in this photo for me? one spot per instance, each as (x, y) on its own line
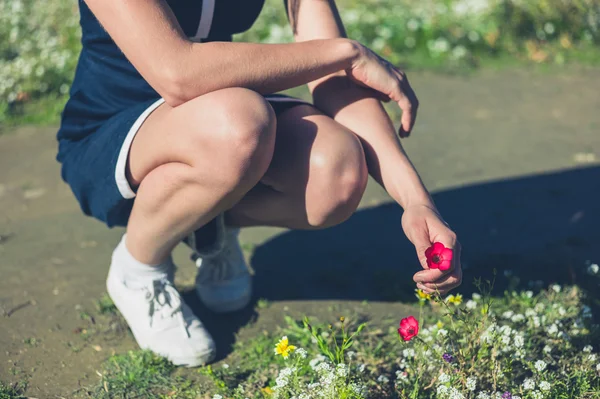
(228, 306)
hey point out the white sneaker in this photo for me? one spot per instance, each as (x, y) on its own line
(158, 317)
(223, 281)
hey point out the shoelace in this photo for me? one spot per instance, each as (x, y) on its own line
(163, 298)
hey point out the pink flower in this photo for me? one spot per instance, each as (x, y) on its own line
(409, 328)
(439, 257)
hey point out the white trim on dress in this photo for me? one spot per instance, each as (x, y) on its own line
(206, 18)
(120, 175)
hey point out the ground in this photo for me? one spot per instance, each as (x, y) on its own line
(513, 160)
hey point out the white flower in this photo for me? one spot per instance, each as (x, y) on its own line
(545, 386)
(483, 395)
(562, 311)
(592, 357)
(351, 355)
(473, 36)
(540, 365)
(518, 318)
(539, 308)
(508, 314)
(549, 28)
(553, 329)
(528, 384)
(225, 366)
(442, 332)
(301, 352)
(529, 294)
(455, 394)
(459, 52)
(593, 269)
(314, 362)
(444, 378)
(471, 383)
(442, 390)
(217, 397)
(471, 304)
(530, 313)
(408, 353)
(361, 368)
(598, 367)
(476, 296)
(547, 349)
(537, 395)
(383, 379)
(588, 348)
(358, 389)
(519, 341)
(556, 288)
(322, 368)
(413, 25)
(341, 370)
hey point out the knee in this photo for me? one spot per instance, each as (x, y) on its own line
(341, 178)
(244, 136)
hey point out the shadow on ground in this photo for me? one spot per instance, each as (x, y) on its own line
(542, 227)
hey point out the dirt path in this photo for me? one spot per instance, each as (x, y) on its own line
(512, 157)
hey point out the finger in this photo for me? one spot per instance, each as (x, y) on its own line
(406, 121)
(409, 106)
(449, 241)
(418, 235)
(447, 282)
(381, 96)
(425, 289)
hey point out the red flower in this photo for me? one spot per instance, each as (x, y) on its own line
(409, 328)
(439, 257)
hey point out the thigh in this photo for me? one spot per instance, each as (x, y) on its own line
(206, 133)
(310, 147)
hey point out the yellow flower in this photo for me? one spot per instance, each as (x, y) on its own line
(267, 390)
(455, 299)
(422, 295)
(439, 324)
(283, 347)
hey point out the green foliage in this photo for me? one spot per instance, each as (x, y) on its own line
(13, 391)
(137, 374)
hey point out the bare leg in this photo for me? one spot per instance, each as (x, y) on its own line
(192, 162)
(316, 178)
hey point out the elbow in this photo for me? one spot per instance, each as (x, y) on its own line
(173, 87)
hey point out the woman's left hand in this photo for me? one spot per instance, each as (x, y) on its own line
(424, 226)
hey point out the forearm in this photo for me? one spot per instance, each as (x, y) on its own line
(265, 68)
(355, 108)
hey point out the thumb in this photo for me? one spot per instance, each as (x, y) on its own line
(419, 237)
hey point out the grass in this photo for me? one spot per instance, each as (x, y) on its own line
(13, 391)
(141, 374)
(253, 368)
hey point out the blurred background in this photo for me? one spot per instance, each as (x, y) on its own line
(39, 41)
(507, 140)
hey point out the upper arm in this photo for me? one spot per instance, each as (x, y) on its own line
(315, 19)
(149, 35)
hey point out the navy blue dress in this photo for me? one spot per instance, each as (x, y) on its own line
(109, 100)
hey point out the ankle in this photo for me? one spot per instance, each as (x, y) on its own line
(145, 252)
(132, 268)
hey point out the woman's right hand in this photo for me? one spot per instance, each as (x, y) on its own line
(370, 70)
